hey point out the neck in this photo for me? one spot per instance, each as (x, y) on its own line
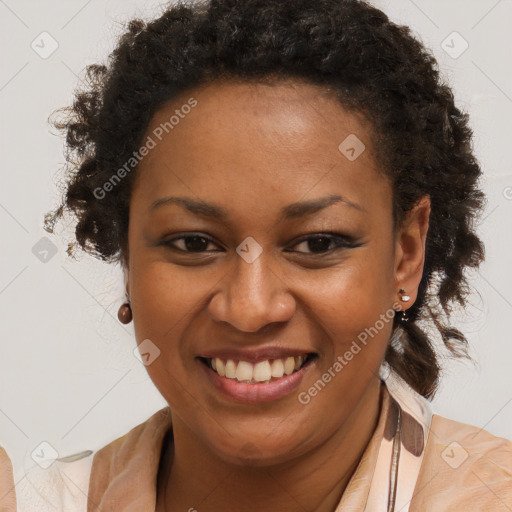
(193, 478)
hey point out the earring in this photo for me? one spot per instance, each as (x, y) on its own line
(404, 298)
(125, 313)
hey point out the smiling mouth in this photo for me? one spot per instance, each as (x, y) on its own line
(262, 372)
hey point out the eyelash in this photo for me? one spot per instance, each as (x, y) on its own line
(340, 241)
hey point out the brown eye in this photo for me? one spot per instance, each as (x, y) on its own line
(189, 243)
(322, 242)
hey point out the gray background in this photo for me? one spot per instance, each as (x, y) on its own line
(68, 375)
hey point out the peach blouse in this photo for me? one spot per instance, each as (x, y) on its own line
(415, 461)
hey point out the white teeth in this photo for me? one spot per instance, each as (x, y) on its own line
(289, 365)
(220, 367)
(277, 368)
(244, 371)
(264, 371)
(230, 369)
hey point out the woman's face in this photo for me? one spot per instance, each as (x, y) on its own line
(259, 169)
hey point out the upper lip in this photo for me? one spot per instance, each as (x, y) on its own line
(255, 355)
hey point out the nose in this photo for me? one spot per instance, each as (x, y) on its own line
(252, 296)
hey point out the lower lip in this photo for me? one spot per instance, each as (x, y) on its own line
(255, 393)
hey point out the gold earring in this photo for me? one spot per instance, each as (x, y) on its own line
(404, 298)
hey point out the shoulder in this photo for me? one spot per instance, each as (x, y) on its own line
(125, 470)
(57, 485)
(464, 468)
(65, 484)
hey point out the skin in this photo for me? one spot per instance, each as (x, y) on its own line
(254, 149)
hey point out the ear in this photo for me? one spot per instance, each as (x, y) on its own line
(410, 248)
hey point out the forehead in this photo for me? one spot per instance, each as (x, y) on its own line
(282, 142)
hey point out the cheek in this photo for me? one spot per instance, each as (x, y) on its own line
(165, 296)
(354, 314)
(164, 303)
(351, 306)
(351, 296)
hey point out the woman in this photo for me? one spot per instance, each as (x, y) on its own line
(290, 190)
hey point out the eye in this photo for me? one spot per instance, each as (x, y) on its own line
(318, 243)
(193, 243)
(321, 243)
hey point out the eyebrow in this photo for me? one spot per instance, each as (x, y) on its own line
(289, 212)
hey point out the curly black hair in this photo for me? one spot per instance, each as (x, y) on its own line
(375, 67)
